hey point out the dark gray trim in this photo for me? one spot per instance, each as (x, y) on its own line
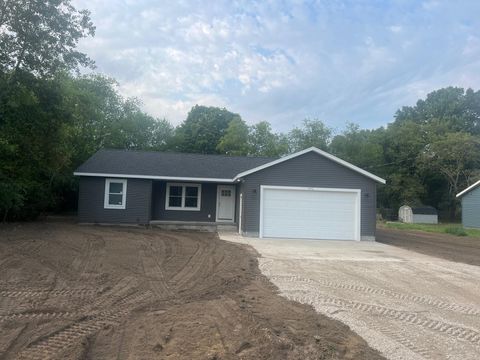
(208, 206)
(91, 202)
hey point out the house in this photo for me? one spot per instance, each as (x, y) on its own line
(470, 198)
(418, 215)
(310, 194)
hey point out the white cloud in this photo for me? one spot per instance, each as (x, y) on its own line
(282, 62)
(395, 28)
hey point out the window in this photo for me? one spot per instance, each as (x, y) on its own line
(183, 196)
(226, 193)
(115, 193)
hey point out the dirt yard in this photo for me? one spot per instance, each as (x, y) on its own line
(454, 248)
(79, 292)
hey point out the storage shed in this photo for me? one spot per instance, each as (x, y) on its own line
(418, 215)
(470, 198)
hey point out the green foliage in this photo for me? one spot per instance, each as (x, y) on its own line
(202, 130)
(456, 156)
(50, 126)
(40, 37)
(235, 140)
(312, 133)
(360, 147)
(451, 108)
(263, 142)
(456, 230)
(452, 228)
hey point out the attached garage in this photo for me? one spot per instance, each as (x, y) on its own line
(308, 195)
(310, 213)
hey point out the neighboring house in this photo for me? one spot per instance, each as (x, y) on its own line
(471, 205)
(310, 194)
(418, 215)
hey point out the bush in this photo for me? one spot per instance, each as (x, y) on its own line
(456, 230)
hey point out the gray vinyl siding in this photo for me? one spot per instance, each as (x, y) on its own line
(91, 202)
(471, 209)
(208, 204)
(308, 170)
(425, 219)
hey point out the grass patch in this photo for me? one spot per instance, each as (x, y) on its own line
(456, 230)
(453, 229)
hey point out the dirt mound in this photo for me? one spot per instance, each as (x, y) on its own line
(77, 292)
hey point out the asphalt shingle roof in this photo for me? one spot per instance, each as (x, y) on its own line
(146, 163)
(424, 210)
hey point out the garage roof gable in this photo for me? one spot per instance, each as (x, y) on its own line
(468, 189)
(318, 151)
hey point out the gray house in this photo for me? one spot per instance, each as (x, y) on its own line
(310, 194)
(470, 198)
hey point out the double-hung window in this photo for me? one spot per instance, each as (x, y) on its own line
(115, 193)
(183, 196)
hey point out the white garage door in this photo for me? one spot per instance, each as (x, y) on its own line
(310, 213)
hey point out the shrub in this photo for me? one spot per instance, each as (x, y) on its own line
(456, 230)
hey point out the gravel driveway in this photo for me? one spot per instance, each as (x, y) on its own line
(405, 304)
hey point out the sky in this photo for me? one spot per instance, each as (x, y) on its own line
(284, 61)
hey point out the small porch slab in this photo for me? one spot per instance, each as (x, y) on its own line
(209, 226)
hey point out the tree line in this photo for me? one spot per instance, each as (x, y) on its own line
(52, 119)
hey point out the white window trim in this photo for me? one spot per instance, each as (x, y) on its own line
(183, 208)
(106, 205)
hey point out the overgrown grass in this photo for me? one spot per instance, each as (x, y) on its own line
(448, 228)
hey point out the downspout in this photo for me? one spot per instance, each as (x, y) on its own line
(240, 211)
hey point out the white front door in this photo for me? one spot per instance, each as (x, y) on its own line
(225, 203)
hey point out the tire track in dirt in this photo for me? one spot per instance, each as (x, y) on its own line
(153, 264)
(38, 315)
(90, 259)
(403, 340)
(33, 293)
(154, 273)
(110, 297)
(113, 292)
(424, 300)
(186, 271)
(59, 341)
(463, 333)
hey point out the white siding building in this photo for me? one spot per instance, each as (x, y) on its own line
(418, 215)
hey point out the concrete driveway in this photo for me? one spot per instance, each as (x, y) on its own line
(404, 304)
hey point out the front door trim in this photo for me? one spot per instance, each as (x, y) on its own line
(219, 191)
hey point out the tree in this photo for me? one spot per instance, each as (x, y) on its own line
(40, 37)
(11, 189)
(263, 142)
(135, 130)
(362, 148)
(457, 157)
(48, 127)
(34, 129)
(235, 140)
(202, 130)
(452, 108)
(401, 143)
(312, 133)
